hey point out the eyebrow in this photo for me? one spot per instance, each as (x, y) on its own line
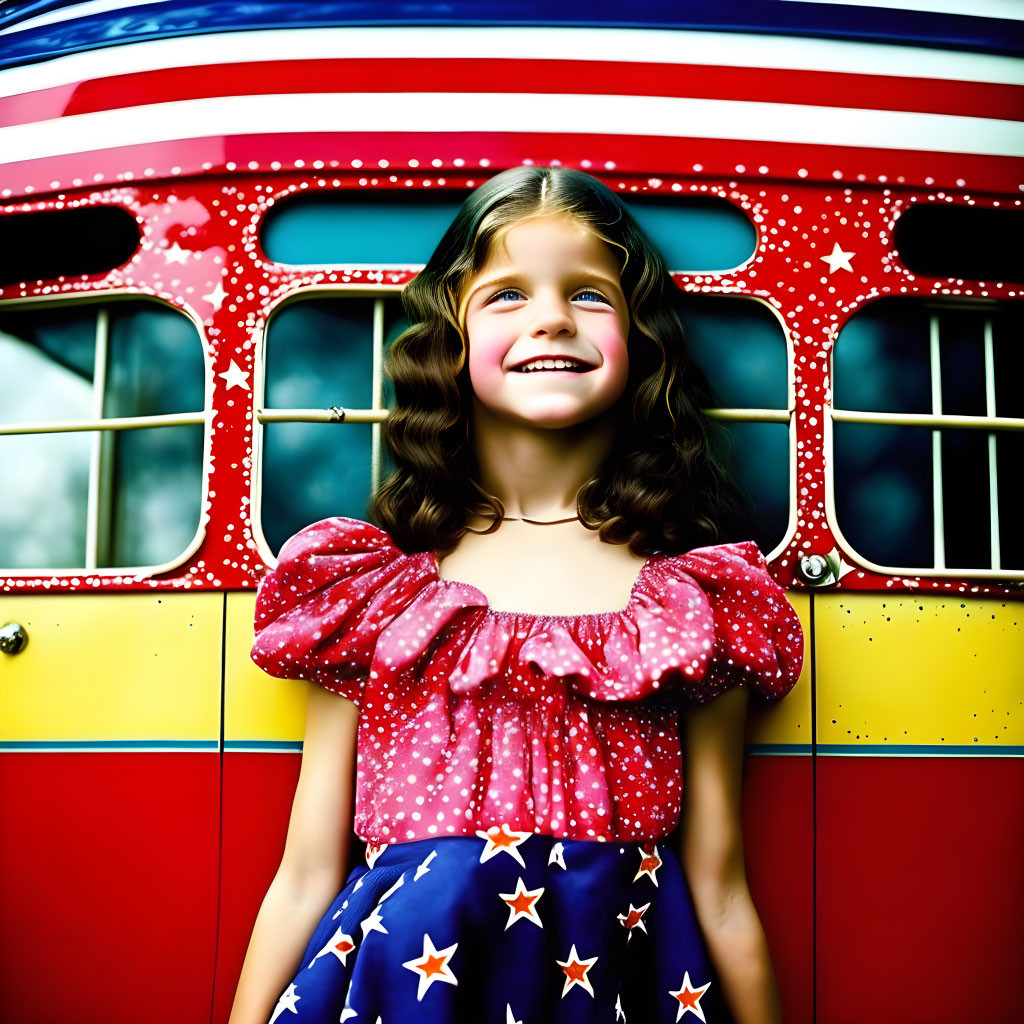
(513, 277)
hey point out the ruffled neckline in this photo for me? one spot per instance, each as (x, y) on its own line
(480, 600)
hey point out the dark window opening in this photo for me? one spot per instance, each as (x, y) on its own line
(942, 240)
(64, 243)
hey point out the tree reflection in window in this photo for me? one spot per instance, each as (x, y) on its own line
(149, 482)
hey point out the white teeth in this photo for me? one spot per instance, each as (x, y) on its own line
(550, 364)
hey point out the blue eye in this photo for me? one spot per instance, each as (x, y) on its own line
(591, 296)
(507, 291)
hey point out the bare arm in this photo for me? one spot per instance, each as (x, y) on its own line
(712, 855)
(312, 868)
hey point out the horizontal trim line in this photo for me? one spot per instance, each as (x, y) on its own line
(651, 46)
(295, 746)
(264, 746)
(27, 40)
(70, 746)
(778, 748)
(533, 113)
(939, 421)
(176, 419)
(920, 750)
(515, 75)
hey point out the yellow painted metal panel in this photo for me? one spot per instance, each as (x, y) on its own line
(910, 669)
(261, 707)
(788, 721)
(113, 667)
(256, 706)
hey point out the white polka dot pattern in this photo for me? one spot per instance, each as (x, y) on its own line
(564, 725)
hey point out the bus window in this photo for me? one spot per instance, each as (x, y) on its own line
(693, 233)
(80, 499)
(46, 244)
(320, 352)
(923, 438)
(739, 346)
(323, 352)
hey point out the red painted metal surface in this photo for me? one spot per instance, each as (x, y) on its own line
(455, 75)
(919, 889)
(778, 836)
(258, 790)
(109, 864)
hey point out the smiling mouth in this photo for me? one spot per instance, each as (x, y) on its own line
(542, 365)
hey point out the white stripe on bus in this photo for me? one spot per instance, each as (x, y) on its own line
(512, 112)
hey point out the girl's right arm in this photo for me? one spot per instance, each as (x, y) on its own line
(313, 865)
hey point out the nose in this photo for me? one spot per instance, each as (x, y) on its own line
(552, 316)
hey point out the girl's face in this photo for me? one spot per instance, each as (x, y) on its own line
(547, 322)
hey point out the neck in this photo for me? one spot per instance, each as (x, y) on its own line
(537, 472)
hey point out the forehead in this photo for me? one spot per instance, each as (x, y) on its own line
(549, 242)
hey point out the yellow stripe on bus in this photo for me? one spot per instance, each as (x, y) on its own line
(907, 669)
(256, 706)
(260, 707)
(787, 721)
(113, 667)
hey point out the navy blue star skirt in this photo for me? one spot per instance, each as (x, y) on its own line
(514, 928)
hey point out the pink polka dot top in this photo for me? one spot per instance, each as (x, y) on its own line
(564, 725)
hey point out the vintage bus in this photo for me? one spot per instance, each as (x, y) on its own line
(207, 214)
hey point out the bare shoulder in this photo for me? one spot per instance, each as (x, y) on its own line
(549, 570)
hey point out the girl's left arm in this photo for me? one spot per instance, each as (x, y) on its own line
(712, 854)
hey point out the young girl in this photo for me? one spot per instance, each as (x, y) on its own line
(518, 657)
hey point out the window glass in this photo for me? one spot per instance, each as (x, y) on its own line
(741, 349)
(355, 228)
(880, 362)
(886, 474)
(970, 242)
(692, 233)
(883, 491)
(47, 244)
(319, 354)
(146, 483)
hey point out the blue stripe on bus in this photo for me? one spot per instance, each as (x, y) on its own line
(264, 746)
(188, 18)
(919, 750)
(74, 745)
(295, 746)
(778, 748)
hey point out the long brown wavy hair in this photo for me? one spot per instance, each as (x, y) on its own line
(660, 488)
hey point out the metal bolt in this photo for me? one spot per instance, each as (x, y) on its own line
(13, 638)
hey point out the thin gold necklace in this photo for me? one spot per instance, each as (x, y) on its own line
(539, 522)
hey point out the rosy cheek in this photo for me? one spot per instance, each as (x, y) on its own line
(612, 347)
(487, 349)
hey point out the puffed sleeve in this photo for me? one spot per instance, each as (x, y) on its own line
(758, 638)
(319, 612)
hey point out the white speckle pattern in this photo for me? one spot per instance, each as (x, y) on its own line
(563, 725)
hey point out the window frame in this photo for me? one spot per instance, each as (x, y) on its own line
(377, 413)
(100, 428)
(937, 421)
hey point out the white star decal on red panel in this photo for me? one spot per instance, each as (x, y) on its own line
(501, 839)
(432, 966)
(575, 969)
(689, 998)
(837, 259)
(650, 861)
(522, 904)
